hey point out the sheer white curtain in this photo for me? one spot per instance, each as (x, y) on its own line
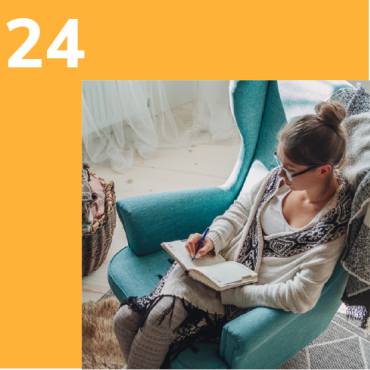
(120, 117)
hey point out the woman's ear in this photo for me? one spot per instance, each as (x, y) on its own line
(325, 169)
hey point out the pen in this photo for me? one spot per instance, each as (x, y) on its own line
(200, 243)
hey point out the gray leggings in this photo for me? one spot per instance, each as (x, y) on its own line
(147, 348)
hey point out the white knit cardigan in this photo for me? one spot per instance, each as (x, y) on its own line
(291, 283)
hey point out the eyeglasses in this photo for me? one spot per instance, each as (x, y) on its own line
(288, 174)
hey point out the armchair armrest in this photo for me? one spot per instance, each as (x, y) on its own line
(151, 219)
(248, 333)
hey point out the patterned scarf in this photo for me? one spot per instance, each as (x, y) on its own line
(332, 226)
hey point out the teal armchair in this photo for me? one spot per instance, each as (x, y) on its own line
(265, 337)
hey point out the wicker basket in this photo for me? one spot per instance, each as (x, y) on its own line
(97, 241)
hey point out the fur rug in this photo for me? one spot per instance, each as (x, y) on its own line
(100, 348)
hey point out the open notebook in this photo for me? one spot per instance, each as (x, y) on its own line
(213, 271)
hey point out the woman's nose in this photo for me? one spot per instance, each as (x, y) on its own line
(281, 173)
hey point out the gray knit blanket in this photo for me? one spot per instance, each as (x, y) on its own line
(356, 258)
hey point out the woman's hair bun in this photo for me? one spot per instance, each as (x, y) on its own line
(331, 113)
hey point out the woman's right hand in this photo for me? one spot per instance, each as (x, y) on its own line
(193, 242)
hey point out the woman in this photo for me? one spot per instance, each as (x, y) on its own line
(290, 229)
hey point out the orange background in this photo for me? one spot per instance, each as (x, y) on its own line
(41, 125)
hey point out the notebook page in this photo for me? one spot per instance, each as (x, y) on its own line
(229, 272)
(178, 249)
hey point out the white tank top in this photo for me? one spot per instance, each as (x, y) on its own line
(272, 218)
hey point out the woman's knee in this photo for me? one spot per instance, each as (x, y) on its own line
(174, 317)
(125, 318)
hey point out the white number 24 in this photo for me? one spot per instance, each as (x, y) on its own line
(69, 31)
